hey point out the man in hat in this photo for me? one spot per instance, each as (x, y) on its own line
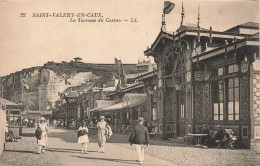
(140, 137)
(101, 126)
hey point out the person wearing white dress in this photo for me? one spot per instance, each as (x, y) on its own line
(43, 142)
(101, 126)
(83, 137)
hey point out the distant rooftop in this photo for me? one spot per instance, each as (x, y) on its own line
(250, 24)
(189, 26)
(247, 25)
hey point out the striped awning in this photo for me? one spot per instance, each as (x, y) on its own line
(129, 100)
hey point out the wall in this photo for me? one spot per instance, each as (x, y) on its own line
(255, 141)
(2, 130)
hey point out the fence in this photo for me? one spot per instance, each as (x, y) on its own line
(2, 130)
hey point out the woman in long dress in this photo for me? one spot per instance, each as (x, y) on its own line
(83, 137)
(101, 126)
(43, 142)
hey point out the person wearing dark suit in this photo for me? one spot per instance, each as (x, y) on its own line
(140, 137)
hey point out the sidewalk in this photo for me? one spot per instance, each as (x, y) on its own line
(70, 154)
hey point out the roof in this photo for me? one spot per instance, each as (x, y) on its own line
(77, 58)
(189, 27)
(73, 94)
(147, 75)
(143, 63)
(250, 24)
(252, 42)
(132, 76)
(190, 32)
(8, 104)
(247, 25)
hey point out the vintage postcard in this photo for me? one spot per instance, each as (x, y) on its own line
(129, 82)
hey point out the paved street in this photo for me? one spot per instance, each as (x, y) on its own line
(67, 152)
(63, 150)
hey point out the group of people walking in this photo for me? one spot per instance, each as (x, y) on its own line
(104, 132)
(139, 136)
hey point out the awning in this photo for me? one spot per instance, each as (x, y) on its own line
(129, 100)
(99, 104)
(4, 104)
(113, 107)
(133, 99)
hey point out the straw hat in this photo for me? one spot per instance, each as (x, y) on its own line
(102, 117)
(42, 119)
(140, 119)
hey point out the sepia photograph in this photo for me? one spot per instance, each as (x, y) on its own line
(129, 82)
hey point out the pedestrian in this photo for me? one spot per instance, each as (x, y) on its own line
(54, 123)
(48, 122)
(140, 137)
(43, 141)
(83, 137)
(101, 127)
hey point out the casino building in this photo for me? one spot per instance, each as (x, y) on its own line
(207, 77)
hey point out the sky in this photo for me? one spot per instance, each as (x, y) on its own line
(32, 41)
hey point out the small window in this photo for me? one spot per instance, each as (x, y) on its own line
(218, 100)
(220, 71)
(160, 127)
(189, 129)
(232, 69)
(154, 114)
(154, 106)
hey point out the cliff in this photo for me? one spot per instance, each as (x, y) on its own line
(38, 87)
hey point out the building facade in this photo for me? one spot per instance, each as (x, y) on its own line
(207, 77)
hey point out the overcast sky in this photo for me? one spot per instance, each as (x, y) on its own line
(28, 41)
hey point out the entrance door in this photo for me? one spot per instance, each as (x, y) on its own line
(180, 113)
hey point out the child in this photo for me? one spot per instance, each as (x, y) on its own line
(83, 137)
